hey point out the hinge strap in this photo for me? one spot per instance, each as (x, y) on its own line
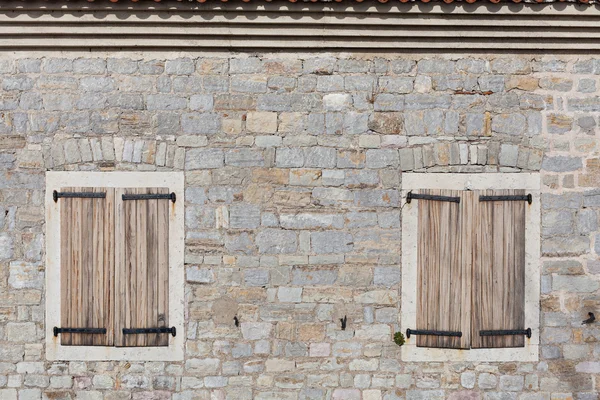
(92, 331)
(432, 333)
(505, 332)
(86, 195)
(528, 198)
(139, 331)
(150, 196)
(418, 196)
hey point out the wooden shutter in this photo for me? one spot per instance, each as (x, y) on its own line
(87, 237)
(499, 270)
(441, 279)
(142, 262)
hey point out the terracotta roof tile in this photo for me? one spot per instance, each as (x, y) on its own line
(358, 1)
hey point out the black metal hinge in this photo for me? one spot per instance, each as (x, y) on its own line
(432, 333)
(150, 196)
(505, 332)
(139, 331)
(92, 331)
(418, 196)
(528, 198)
(86, 195)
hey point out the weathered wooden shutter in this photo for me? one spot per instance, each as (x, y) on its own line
(499, 270)
(441, 278)
(87, 237)
(142, 262)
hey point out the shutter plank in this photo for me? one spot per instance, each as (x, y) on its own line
(499, 284)
(109, 262)
(121, 282)
(152, 276)
(162, 237)
(141, 280)
(462, 300)
(83, 267)
(77, 309)
(66, 210)
(144, 268)
(517, 300)
(87, 259)
(440, 276)
(131, 305)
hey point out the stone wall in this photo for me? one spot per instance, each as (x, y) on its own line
(293, 166)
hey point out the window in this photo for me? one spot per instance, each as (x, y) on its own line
(114, 266)
(470, 259)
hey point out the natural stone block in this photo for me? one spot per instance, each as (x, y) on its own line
(261, 122)
(313, 276)
(276, 241)
(561, 163)
(26, 275)
(204, 159)
(256, 330)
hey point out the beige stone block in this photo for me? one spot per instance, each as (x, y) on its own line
(285, 331)
(270, 175)
(311, 332)
(231, 126)
(261, 122)
(279, 365)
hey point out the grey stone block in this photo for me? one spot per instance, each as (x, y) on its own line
(561, 163)
(17, 82)
(244, 216)
(289, 157)
(402, 66)
(511, 124)
(327, 242)
(320, 157)
(180, 66)
(244, 158)
(276, 241)
(400, 85)
(204, 158)
(201, 123)
(313, 276)
(376, 198)
(89, 66)
(330, 83)
(256, 277)
(389, 102)
(121, 65)
(382, 158)
(184, 84)
(426, 101)
(165, 102)
(58, 65)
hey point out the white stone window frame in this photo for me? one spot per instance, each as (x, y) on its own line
(481, 181)
(172, 180)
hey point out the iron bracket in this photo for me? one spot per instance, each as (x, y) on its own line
(87, 195)
(410, 196)
(528, 198)
(138, 331)
(505, 332)
(151, 196)
(432, 333)
(92, 331)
